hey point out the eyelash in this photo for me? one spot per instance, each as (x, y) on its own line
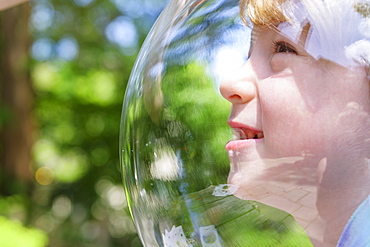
(280, 47)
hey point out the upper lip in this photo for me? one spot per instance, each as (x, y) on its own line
(243, 132)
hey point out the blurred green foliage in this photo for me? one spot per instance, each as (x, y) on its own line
(191, 128)
(177, 151)
(81, 58)
(12, 233)
(192, 101)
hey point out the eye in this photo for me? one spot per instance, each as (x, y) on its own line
(283, 47)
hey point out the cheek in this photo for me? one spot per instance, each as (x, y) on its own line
(282, 102)
(351, 133)
(290, 125)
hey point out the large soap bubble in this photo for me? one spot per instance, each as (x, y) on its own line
(285, 86)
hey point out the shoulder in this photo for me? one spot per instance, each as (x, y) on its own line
(357, 231)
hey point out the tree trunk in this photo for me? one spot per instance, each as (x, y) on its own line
(16, 134)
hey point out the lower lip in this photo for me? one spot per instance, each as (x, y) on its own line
(242, 144)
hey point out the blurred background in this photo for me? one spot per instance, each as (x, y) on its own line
(64, 70)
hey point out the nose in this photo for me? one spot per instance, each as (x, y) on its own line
(240, 86)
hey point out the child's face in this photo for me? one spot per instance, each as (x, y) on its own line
(302, 128)
(295, 105)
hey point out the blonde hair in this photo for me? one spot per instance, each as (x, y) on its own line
(262, 12)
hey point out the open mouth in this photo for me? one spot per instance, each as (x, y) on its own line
(244, 134)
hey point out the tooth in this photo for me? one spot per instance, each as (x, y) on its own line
(237, 134)
(250, 134)
(243, 136)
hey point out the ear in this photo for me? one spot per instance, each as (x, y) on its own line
(5, 4)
